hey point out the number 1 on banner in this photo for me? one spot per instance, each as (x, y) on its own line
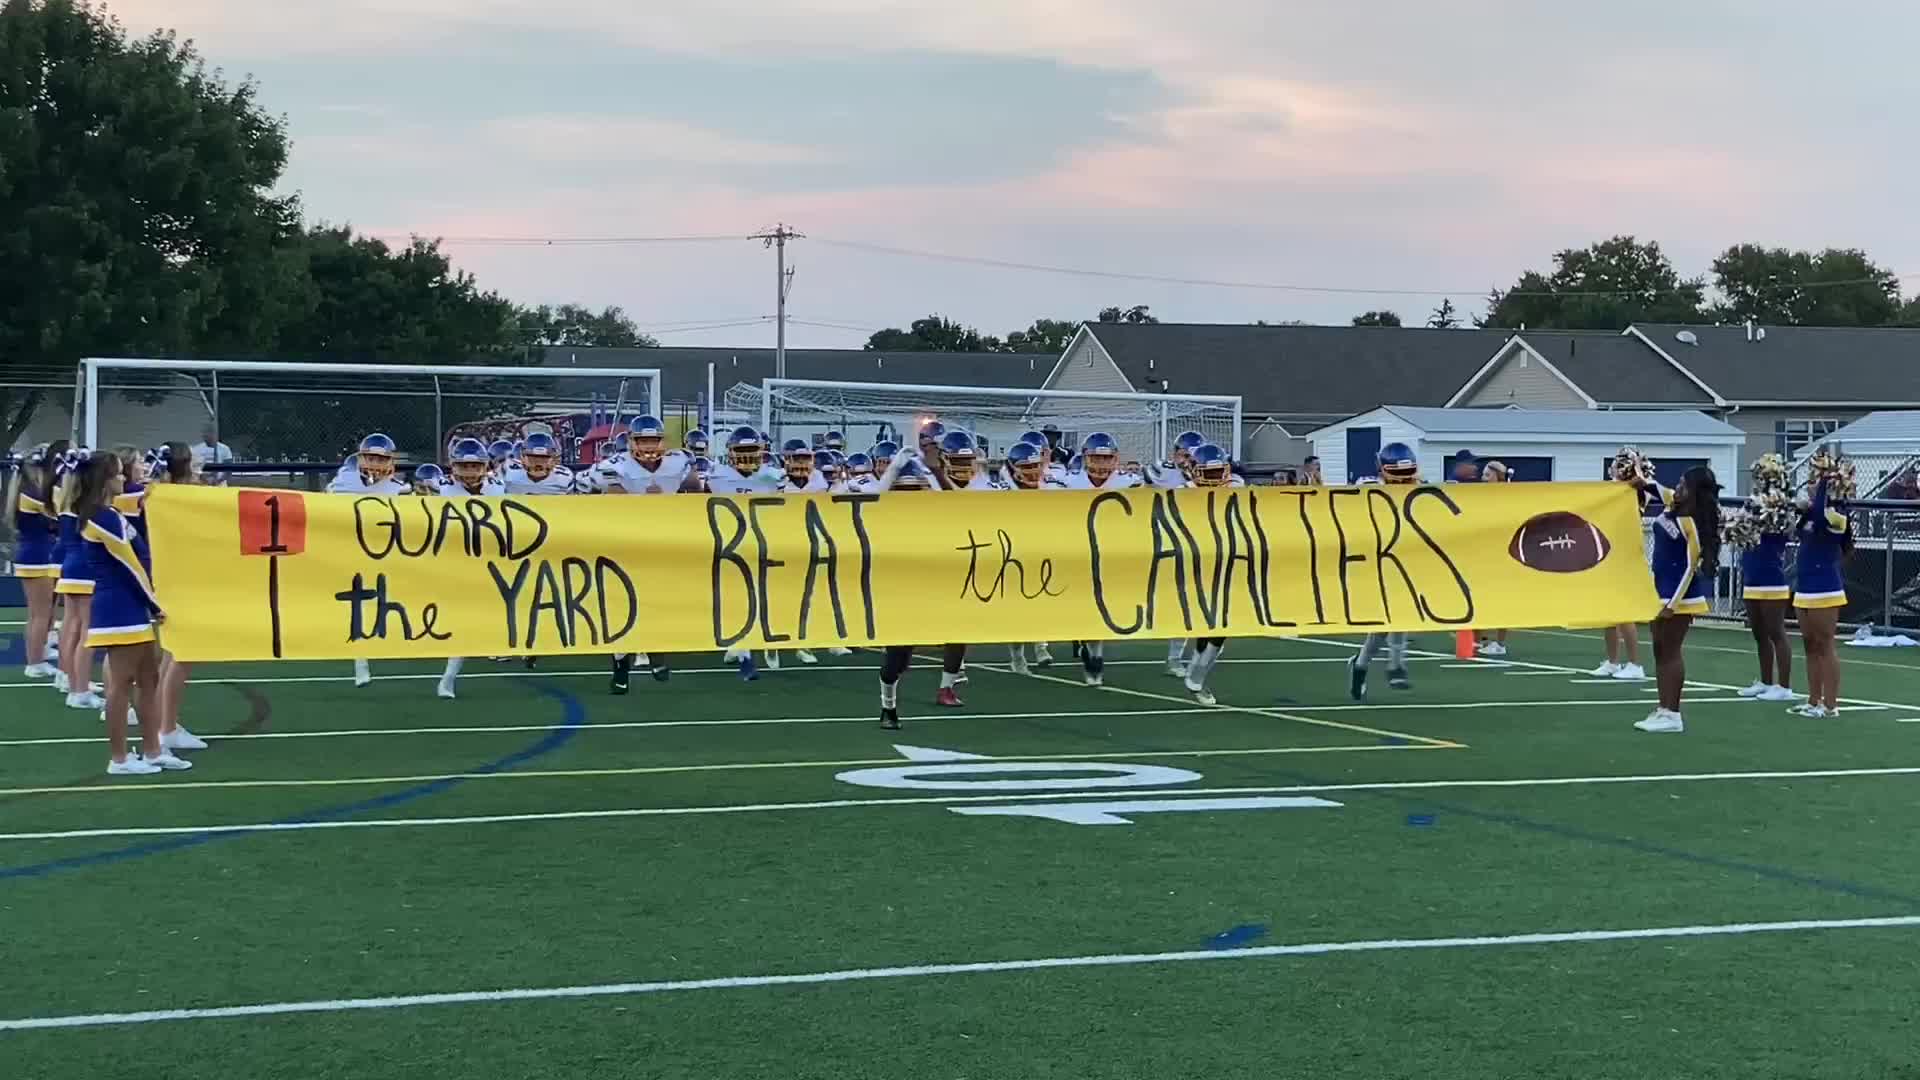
(273, 523)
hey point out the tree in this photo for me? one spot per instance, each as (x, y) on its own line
(935, 333)
(1606, 286)
(1044, 336)
(1136, 314)
(1444, 317)
(136, 191)
(1910, 314)
(1835, 287)
(1376, 318)
(577, 326)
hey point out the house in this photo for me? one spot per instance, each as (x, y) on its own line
(1536, 444)
(1885, 448)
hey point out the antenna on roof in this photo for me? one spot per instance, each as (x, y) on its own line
(1687, 337)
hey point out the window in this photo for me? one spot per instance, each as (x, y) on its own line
(1792, 436)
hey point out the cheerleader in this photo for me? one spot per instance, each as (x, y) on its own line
(125, 615)
(173, 464)
(1826, 539)
(1623, 641)
(75, 588)
(1686, 555)
(36, 525)
(1761, 530)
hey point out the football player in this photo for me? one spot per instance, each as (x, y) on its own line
(1027, 471)
(499, 456)
(799, 475)
(905, 473)
(746, 470)
(1208, 467)
(1177, 469)
(835, 441)
(472, 476)
(1397, 464)
(1100, 471)
(646, 468)
(958, 466)
(859, 471)
(538, 470)
(370, 471)
(427, 478)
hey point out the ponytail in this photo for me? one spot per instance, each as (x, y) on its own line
(178, 463)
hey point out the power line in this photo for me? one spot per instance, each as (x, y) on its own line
(560, 241)
(1217, 283)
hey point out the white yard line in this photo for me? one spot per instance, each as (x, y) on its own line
(741, 982)
(954, 799)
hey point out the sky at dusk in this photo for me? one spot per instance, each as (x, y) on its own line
(1376, 145)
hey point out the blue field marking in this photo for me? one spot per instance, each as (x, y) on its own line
(1238, 937)
(573, 717)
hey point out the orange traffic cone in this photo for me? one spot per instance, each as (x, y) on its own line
(1463, 645)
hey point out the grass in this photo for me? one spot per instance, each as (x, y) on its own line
(780, 884)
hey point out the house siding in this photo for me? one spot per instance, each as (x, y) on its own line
(1758, 423)
(1521, 379)
(1088, 367)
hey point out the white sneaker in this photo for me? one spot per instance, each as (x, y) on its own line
(166, 760)
(1755, 690)
(1200, 693)
(1177, 669)
(40, 671)
(1630, 673)
(1494, 648)
(773, 659)
(86, 701)
(1777, 693)
(133, 766)
(1813, 712)
(1042, 654)
(839, 650)
(61, 683)
(182, 739)
(806, 656)
(445, 689)
(1605, 671)
(642, 660)
(362, 673)
(1018, 665)
(1662, 722)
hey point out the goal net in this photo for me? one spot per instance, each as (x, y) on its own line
(1144, 424)
(316, 413)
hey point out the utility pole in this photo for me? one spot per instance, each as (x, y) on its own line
(776, 238)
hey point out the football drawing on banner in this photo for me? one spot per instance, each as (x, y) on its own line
(257, 575)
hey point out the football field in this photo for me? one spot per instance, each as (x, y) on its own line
(1489, 875)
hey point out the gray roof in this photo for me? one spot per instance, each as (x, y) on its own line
(1810, 364)
(1890, 425)
(1625, 424)
(683, 372)
(1612, 367)
(1323, 371)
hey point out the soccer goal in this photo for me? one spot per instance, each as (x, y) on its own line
(1144, 424)
(269, 411)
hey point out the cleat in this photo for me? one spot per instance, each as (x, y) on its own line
(1042, 656)
(946, 698)
(622, 674)
(1019, 666)
(531, 662)
(660, 672)
(773, 660)
(806, 656)
(1399, 679)
(445, 689)
(1095, 678)
(362, 673)
(748, 673)
(1201, 694)
(1356, 680)
(1177, 669)
(890, 719)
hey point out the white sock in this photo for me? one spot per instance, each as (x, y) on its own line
(947, 679)
(453, 668)
(1176, 649)
(889, 695)
(1202, 666)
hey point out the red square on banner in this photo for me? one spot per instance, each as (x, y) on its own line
(272, 523)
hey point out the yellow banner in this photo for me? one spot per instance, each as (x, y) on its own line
(254, 574)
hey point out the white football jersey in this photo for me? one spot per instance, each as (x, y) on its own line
(816, 482)
(633, 478)
(355, 482)
(726, 480)
(558, 482)
(455, 489)
(1166, 475)
(1080, 481)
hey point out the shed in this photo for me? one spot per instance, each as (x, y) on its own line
(1536, 444)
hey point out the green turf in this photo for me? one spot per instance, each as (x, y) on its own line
(360, 912)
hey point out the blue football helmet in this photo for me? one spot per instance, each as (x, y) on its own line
(500, 450)
(746, 450)
(427, 478)
(883, 453)
(1398, 463)
(1184, 444)
(1028, 464)
(1076, 463)
(834, 440)
(540, 455)
(695, 442)
(912, 477)
(1211, 466)
(958, 457)
(1100, 455)
(796, 457)
(470, 462)
(859, 465)
(931, 432)
(1034, 438)
(376, 456)
(647, 440)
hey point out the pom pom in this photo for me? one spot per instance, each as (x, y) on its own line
(1740, 528)
(1774, 510)
(1833, 468)
(1631, 464)
(1771, 473)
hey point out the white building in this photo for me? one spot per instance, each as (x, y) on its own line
(1536, 444)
